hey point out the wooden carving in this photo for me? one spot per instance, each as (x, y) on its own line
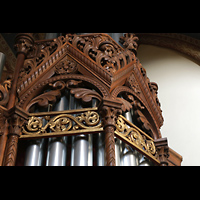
(91, 66)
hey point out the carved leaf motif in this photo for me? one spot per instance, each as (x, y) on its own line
(129, 41)
(85, 94)
(126, 106)
(46, 98)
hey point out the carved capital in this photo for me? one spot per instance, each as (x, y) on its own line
(109, 110)
(15, 124)
(163, 150)
(23, 43)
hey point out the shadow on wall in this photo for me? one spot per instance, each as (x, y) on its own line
(178, 79)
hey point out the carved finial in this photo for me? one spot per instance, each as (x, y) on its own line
(23, 43)
(129, 41)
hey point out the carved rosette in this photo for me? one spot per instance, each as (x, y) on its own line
(66, 67)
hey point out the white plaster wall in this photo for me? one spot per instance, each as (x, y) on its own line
(178, 79)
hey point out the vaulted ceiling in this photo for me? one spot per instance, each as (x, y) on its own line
(7, 41)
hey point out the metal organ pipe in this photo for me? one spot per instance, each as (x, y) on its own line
(57, 150)
(118, 150)
(2, 62)
(81, 146)
(34, 152)
(129, 156)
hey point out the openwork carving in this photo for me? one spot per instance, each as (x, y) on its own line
(4, 92)
(103, 50)
(135, 137)
(129, 41)
(60, 124)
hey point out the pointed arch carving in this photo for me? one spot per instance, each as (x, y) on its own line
(60, 82)
(141, 110)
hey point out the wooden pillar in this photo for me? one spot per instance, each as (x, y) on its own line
(9, 139)
(109, 110)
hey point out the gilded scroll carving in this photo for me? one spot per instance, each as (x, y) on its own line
(135, 136)
(62, 122)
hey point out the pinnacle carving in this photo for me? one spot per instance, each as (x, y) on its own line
(129, 41)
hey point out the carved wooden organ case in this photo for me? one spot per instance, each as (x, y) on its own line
(81, 88)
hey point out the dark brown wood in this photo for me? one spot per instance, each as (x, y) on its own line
(109, 111)
(174, 158)
(91, 66)
(23, 45)
(11, 150)
(163, 150)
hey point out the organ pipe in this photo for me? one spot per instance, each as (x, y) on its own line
(129, 157)
(81, 146)
(34, 151)
(57, 150)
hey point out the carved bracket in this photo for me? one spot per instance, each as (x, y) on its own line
(163, 150)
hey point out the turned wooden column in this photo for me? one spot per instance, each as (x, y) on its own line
(110, 109)
(23, 44)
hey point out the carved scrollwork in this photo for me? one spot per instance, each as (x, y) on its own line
(62, 122)
(141, 140)
(4, 92)
(44, 99)
(103, 50)
(85, 94)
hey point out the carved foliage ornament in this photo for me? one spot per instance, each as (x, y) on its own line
(62, 122)
(103, 50)
(129, 41)
(137, 137)
(51, 96)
